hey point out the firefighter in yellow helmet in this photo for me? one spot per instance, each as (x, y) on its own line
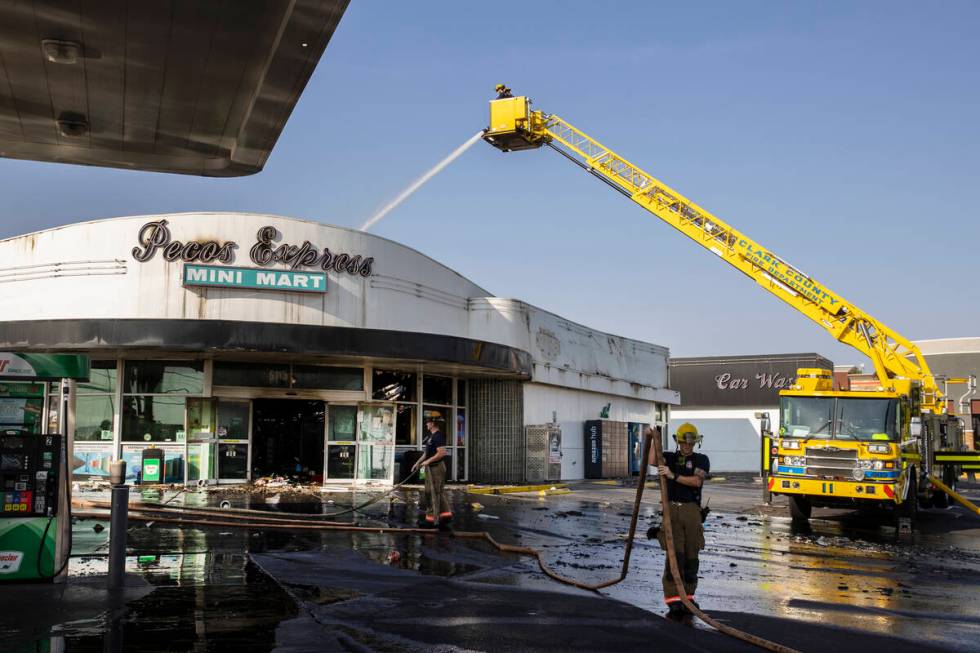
(503, 92)
(685, 471)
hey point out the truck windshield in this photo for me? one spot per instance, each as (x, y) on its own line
(866, 419)
(838, 418)
(801, 417)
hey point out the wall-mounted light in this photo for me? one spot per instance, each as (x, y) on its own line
(65, 52)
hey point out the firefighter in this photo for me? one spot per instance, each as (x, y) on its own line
(503, 92)
(434, 499)
(685, 471)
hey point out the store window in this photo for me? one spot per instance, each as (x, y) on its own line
(102, 378)
(394, 386)
(164, 377)
(95, 404)
(341, 423)
(233, 420)
(201, 419)
(320, 377)
(253, 375)
(376, 453)
(93, 418)
(405, 425)
(306, 377)
(437, 390)
(442, 395)
(461, 427)
(150, 418)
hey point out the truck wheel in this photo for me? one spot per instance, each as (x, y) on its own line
(939, 498)
(799, 508)
(909, 508)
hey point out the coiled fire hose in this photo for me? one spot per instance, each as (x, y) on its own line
(244, 518)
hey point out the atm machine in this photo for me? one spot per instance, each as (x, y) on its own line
(35, 481)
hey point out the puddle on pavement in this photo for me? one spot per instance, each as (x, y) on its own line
(200, 602)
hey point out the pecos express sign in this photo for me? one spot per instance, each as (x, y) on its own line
(155, 236)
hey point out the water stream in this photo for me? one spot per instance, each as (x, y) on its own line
(421, 181)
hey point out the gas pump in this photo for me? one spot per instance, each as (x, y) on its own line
(35, 477)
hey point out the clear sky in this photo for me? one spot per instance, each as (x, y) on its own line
(843, 136)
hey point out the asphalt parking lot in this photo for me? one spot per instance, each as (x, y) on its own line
(843, 582)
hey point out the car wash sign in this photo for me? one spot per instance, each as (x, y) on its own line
(221, 276)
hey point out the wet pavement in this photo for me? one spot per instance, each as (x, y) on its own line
(845, 584)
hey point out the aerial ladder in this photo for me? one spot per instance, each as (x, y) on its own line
(888, 444)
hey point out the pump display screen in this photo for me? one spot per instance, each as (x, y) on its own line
(11, 443)
(11, 462)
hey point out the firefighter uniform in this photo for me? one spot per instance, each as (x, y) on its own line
(435, 502)
(684, 503)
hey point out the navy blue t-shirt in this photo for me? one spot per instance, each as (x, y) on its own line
(433, 442)
(684, 466)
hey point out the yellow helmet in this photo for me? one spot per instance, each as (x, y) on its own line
(687, 432)
(500, 87)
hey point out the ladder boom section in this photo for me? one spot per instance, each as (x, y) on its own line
(893, 355)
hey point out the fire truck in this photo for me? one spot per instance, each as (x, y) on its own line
(892, 443)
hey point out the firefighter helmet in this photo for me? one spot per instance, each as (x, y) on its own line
(687, 432)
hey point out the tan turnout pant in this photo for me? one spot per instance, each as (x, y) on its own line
(685, 521)
(435, 503)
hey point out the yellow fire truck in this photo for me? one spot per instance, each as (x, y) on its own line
(886, 445)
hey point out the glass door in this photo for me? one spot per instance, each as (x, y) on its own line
(376, 443)
(341, 450)
(201, 440)
(233, 435)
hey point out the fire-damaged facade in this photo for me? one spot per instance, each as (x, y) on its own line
(228, 347)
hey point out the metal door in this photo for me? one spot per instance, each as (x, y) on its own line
(543, 459)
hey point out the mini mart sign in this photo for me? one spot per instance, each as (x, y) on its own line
(220, 276)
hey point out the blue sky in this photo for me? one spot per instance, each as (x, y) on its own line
(843, 136)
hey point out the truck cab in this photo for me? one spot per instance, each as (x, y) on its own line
(841, 448)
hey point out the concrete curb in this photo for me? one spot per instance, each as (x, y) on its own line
(509, 489)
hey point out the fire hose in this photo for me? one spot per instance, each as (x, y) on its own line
(243, 518)
(675, 569)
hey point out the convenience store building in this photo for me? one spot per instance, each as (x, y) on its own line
(245, 345)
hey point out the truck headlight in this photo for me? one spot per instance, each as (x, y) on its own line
(858, 474)
(878, 448)
(879, 464)
(790, 444)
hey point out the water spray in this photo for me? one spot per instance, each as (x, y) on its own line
(418, 183)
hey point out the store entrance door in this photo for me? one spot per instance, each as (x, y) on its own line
(287, 439)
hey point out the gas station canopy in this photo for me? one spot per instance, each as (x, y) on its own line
(43, 367)
(201, 88)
